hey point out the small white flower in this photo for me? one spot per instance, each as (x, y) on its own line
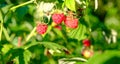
(48, 7)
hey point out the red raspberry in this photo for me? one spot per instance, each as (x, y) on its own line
(58, 17)
(86, 42)
(71, 22)
(41, 28)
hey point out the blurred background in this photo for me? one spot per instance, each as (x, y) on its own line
(20, 44)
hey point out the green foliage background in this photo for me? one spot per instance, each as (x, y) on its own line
(18, 19)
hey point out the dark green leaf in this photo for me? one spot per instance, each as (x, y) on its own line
(20, 12)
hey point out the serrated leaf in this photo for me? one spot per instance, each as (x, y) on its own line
(78, 33)
(31, 44)
(70, 4)
(53, 46)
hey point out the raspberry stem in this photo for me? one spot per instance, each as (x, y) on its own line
(31, 34)
(1, 24)
(13, 8)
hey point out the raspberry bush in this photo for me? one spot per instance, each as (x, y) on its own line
(59, 32)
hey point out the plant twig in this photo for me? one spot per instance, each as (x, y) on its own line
(13, 8)
(31, 34)
(1, 28)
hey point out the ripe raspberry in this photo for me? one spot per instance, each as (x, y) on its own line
(58, 17)
(86, 42)
(71, 22)
(41, 28)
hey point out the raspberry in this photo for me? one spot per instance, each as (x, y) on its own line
(71, 22)
(58, 17)
(86, 42)
(41, 28)
(87, 53)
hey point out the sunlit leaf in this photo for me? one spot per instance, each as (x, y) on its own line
(78, 33)
(107, 57)
(27, 55)
(70, 4)
(6, 48)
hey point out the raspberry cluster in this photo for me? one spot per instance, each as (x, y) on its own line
(69, 20)
(58, 18)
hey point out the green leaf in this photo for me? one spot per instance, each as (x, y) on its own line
(112, 23)
(20, 12)
(107, 57)
(59, 33)
(53, 46)
(78, 33)
(27, 55)
(15, 41)
(70, 4)
(6, 34)
(21, 56)
(6, 48)
(31, 44)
